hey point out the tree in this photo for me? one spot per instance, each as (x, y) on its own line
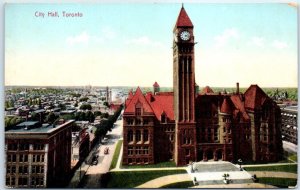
(90, 116)
(83, 99)
(86, 107)
(67, 116)
(51, 117)
(105, 115)
(106, 104)
(62, 106)
(97, 113)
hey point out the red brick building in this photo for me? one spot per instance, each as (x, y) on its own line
(38, 157)
(187, 126)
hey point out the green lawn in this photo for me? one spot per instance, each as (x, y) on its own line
(158, 165)
(279, 182)
(116, 155)
(131, 179)
(293, 157)
(285, 168)
(184, 184)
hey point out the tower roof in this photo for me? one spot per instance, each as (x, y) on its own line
(254, 97)
(155, 84)
(183, 19)
(206, 90)
(226, 106)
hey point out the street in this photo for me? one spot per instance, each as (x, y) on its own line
(94, 172)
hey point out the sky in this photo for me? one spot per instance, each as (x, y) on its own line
(131, 44)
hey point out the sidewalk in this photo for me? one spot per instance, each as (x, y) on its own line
(165, 180)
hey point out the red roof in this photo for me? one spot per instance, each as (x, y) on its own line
(226, 106)
(130, 95)
(183, 19)
(138, 97)
(239, 105)
(254, 97)
(155, 84)
(163, 103)
(206, 90)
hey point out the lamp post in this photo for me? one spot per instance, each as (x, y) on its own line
(240, 163)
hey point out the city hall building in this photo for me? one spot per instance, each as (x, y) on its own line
(187, 126)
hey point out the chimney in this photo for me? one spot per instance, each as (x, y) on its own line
(237, 88)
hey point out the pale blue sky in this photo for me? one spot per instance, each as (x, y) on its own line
(130, 44)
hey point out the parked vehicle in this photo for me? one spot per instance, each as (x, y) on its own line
(106, 150)
(95, 160)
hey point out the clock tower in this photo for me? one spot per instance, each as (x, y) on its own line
(184, 89)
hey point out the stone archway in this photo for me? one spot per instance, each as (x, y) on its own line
(200, 155)
(209, 154)
(219, 154)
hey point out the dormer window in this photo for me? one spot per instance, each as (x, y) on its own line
(138, 111)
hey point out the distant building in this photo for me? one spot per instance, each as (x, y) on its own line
(186, 126)
(38, 156)
(289, 128)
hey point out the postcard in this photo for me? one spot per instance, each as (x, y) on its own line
(151, 95)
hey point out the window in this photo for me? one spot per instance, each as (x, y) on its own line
(23, 158)
(38, 147)
(146, 121)
(138, 135)
(130, 150)
(138, 122)
(146, 150)
(130, 136)
(24, 146)
(12, 146)
(130, 121)
(13, 181)
(187, 152)
(14, 158)
(163, 118)
(8, 169)
(138, 111)
(137, 150)
(9, 158)
(23, 169)
(7, 181)
(23, 181)
(146, 135)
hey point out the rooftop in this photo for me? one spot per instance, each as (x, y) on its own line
(45, 128)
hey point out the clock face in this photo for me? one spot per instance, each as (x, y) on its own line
(185, 35)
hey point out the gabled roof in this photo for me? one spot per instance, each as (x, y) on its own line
(138, 97)
(227, 106)
(254, 97)
(206, 90)
(163, 103)
(130, 95)
(183, 19)
(155, 84)
(239, 105)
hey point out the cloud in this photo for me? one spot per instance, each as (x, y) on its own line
(228, 34)
(144, 41)
(279, 44)
(108, 33)
(257, 41)
(84, 37)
